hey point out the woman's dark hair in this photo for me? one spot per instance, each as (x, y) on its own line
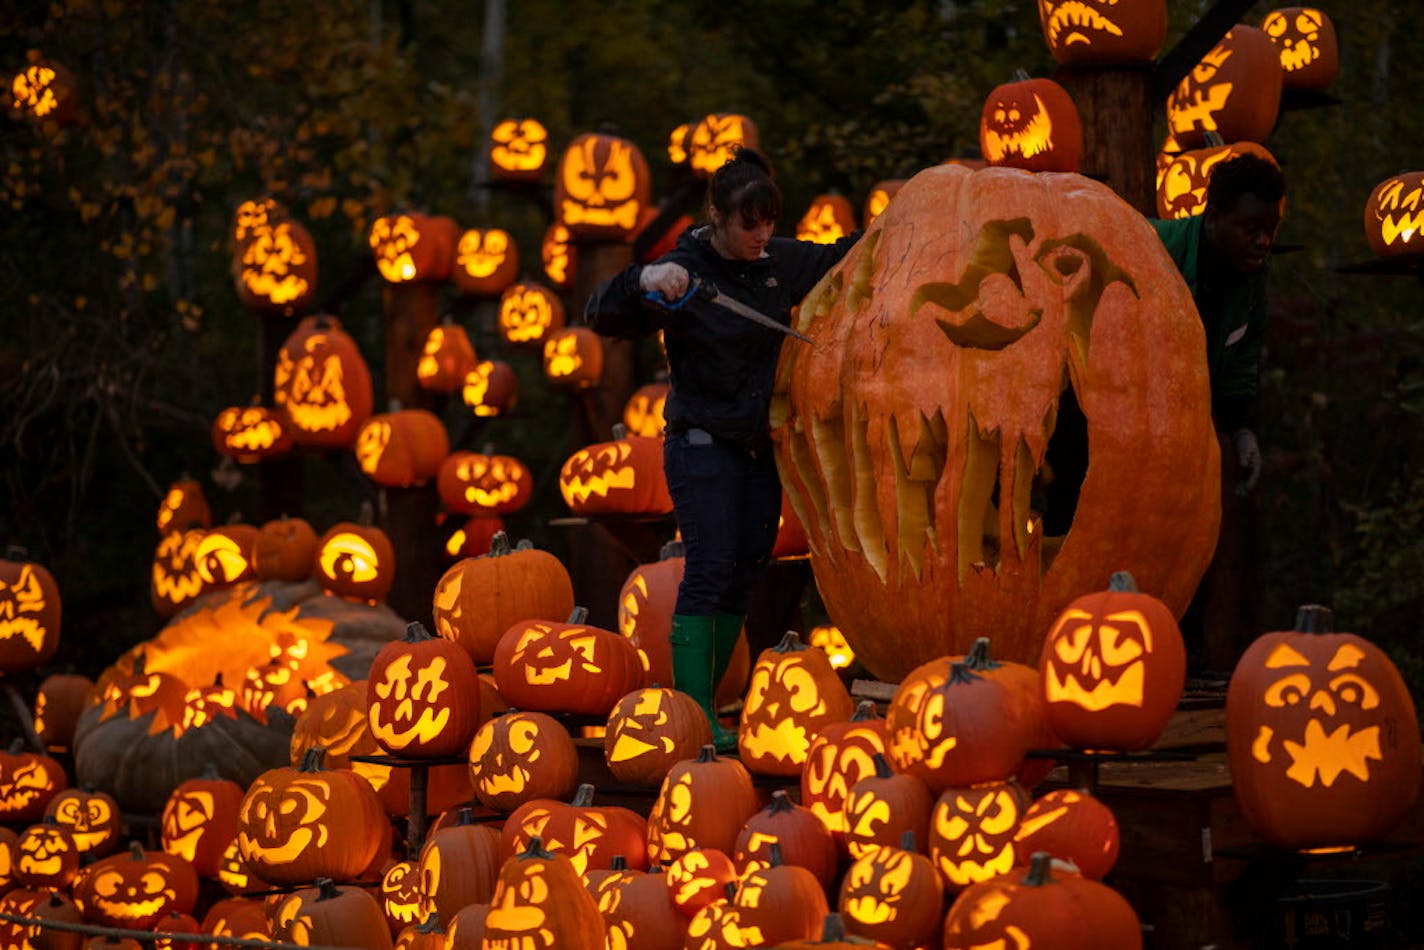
(744, 186)
(1244, 175)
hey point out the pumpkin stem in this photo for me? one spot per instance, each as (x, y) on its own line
(707, 753)
(465, 816)
(1213, 139)
(1123, 582)
(618, 863)
(1314, 618)
(865, 709)
(535, 850)
(730, 889)
(326, 889)
(978, 657)
(674, 548)
(578, 616)
(907, 841)
(431, 925)
(499, 545)
(583, 798)
(367, 516)
(415, 632)
(210, 771)
(834, 929)
(961, 673)
(1021, 74)
(136, 850)
(620, 432)
(779, 802)
(774, 855)
(524, 545)
(882, 767)
(790, 643)
(1038, 868)
(312, 759)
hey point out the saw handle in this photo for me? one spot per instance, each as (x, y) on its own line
(696, 287)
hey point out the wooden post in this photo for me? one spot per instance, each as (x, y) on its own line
(282, 480)
(1115, 106)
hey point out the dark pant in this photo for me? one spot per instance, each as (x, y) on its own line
(727, 501)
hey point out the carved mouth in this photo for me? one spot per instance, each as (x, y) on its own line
(1078, 19)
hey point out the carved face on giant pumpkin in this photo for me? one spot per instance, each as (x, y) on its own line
(937, 381)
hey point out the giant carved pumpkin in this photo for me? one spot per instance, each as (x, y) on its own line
(715, 138)
(1322, 737)
(624, 476)
(1032, 124)
(1394, 216)
(322, 383)
(413, 247)
(486, 261)
(1181, 189)
(571, 667)
(519, 150)
(1103, 32)
(29, 612)
(1305, 37)
(601, 186)
(1234, 91)
(937, 373)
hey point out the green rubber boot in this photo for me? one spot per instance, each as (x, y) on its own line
(692, 659)
(726, 628)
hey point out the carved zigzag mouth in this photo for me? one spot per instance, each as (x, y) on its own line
(1078, 19)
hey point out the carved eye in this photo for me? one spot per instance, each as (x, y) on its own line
(1288, 690)
(1352, 689)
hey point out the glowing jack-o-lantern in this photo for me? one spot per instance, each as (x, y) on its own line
(1181, 188)
(972, 830)
(446, 359)
(328, 915)
(476, 483)
(402, 448)
(135, 890)
(1072, 826)
(565, 667)
(175, 581)
(829, 219)
(423, 696)
(1031, 124)
(638, 907)
(29, 612)
(715, 138)
(91, 817)
(829, 639)
(520, 756)
(702, 803)
(224, 555)
(573, 358)
(698, 878)
(1305, 37)
(356, 561)
(203, 704)
(199, 820)
(1113, 668)
(804, 841)
(274, 267)
(413, 248)
(486, 262)
(794, 694)
(183, 507)
(643, 412)
(882, 808)
(528, 313)
(649, 731)
(519, 150)
(893, 895)
(1394, 216)
(589, 835)
(879, 198)
(44, 91)
(601, 186)
(322, 383)
(458, 865)
(1234, 91)
(841, 754)
(46, 856)
(1103, 32)
(400, 895)
(624, 476)
(559, 257)
(249, 434)
(1321, 736)
(474, 537)
(779, 904)
(490, 389)
(540, 903)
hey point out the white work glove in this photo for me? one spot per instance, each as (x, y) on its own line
(1248, 456)
(668, 279)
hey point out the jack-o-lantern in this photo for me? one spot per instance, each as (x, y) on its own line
(698, 878)
(249, 434)
(400, 895)
(298, 824)
(715, 138)
(234, 874)
(59, 701)
(175, 581)
(224, 555)
(529, 313)
(91, 817)
(1235, 91)
(486, 262)
(702, 803)
(199, 820)
(716, 926)
(893, 895)
(841, 754)
(520, 756)
(884, 806)
(590, 836)
(1181, 188)
(423, 696)
(183, 507)
(238, 917)
(624, 476)
(879, 198)
(803, 840)
(356, 561)
(1321, 736)
(135, 890)
(274, 267)
(794, 694)
(1113, 668)
(322, 383)
(573, 358)
(643, 412)
(479, 598)
(829, 219)
(46, 856)
(328, 915)
(1103, 32)
(540, 903)
(29, 612)
(458, 865)
(570, 667)
(519, 150)
(402, 448)
(284, 550)
(651, 730)
(829, 640)
(490, 389)
(638, 910)
(1031, 124)
(1305, 37)
(601, 186)
(779, 903)
(1394, 216)
(1072, 826)
(972, 828)
(136, 692)
(559, 256)
(44, 91)
(474, 537)
(935, 380)
(22, 902)
(254, 214)
(203, 704)
(446, 359)
(59, 908)
(412, 248)
(8, 840)
(480, 483)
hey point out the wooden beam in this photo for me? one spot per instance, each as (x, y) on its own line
(1173, 67)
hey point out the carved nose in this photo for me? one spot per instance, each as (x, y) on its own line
(1324, 702)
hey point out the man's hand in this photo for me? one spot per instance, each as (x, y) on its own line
(1248, 456)
(668, 279)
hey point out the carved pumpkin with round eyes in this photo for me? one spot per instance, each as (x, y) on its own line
(971, 834)
(322, 383)
(540, 903)
(400, 895)
(881, 808)
(638, 911)
(356, 561)
(601, 186)
(1103, 32)
(490, 389)
(803, 840)
(829, 219)
(46, 856)
(414, 248)
(1321, 736)
(702, 803)
(29, 612)
(284, 550)
(1181, 188)
(60, 699)
(249, 434)
(1031, 124)
(328, 915)
(274, 268)
(624, 476)
(486, 262)
(44, 92)
(519, 150)
(643, 412)
(565, 667)
(649, 731)
(1050, 273)
(842, 754)
(298, 824)
(446, 359)
(1113, 668)
(175, 581)
(1235, 91)
(699, 877)
(476, 483)
(779, 904)
(91, 817)
(199, 820)
(893, 895)
(134, 889)
(224, 555)
(184, 506)
(559, 257)
(1072, 826)
(403, 448)
(423, 696)
(1394, 216)
(794, 694)
(1305, 37)
(529, 313)
(520, 756)
(715, 139)
(458, 866)
(573, 358)
(590, 836)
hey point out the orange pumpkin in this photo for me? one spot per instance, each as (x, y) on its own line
(520, 756)
(200, 820)
(491, 388)
(601, 186)
(573, 358)
(565, 667)
(972, 832)
(328, 915)
(714, 139)
(134, 889)
(1235, 91)
(480, 483)
(486, 261)
(893, 895)
(699, 877)
(794, 694)
(589, 836)
(802, 839)
(29, 612)
(402, 448)
(458, 865)
(414, 247)
(274, 267)
(1072, 826)
(830, 218)
(1309, 51)
(883, 807)
(519, 150)
(423, 696)
(249, 434)
(541, 904)
(1031, 124)
(624, 476)
(446, 359)
(779, 903)
(284, 550)
(842, 754)
(702, 803)
(1101, 32)
(356, 560)
(1181, 187)
(58, 702)
(183, 506)
(559, 256)
(322, 383)
(1394, 216)
(643, 412)
(649, 731)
